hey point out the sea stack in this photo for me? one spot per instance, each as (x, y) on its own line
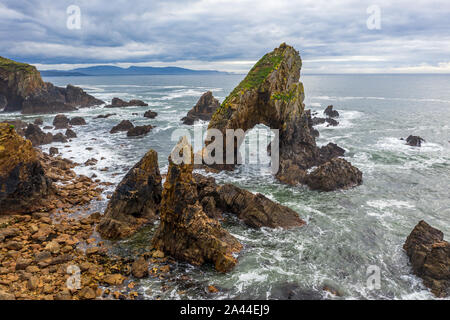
(271, 94)
(185, 231)
(203, 110)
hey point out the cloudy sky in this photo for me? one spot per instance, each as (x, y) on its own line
(332, 36)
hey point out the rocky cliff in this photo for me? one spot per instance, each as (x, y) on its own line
(23, 182)
(24, 90)
(135, 201)
(186, 232)
(271, 94)
(203, 110)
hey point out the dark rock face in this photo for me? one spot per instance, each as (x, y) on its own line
(104, 116)
(59, 137)
(414, 141)
(70, 134)
(330, 112)
(330, 151)
(118, 103)
(331, 122)
(271, 94)
(255, 211)
(318, 120)
(19, 125)
(135, 201)
(334, 174)
(139, 131)
(150, 114)
(430, 257)
(203, 110)
(23, 182)
(38, 121)
(37, 136)
(22, 86)
(3, 102)
(77, 121)
(124, 125)
(186, 232)
(53, 151)
(61, 122)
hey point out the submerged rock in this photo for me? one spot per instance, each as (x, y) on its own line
(330, 112)
(124, 125)
(150, 114)
(334, 174)
(331, 122)
(104, 116)
(203, 110)
(430, 257)
(118, 103)
(135, 201)
(70, 134)
(139, 131)
(414, 141)
(271, 94)
(23, 182)
(59, 137)
(37, 136)
(77, 121)
(185, 231)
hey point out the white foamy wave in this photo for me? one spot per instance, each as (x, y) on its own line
(383, 204)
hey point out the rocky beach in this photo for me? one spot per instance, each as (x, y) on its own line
(94, 206)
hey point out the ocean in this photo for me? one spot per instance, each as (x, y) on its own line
(348, 235)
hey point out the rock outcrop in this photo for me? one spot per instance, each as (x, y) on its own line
(271, 94)
(429, 254)
(61, 121)
(150, 114)
(186, 232)
(414, 141)
(254, 210)
(124, 125)
(333, 175)
(37, 136)
(23, 182)
(139, 130)
(330, 112)
(118, 103)
(203, 110)
(24, 90)
(77, 121)
(135, 201)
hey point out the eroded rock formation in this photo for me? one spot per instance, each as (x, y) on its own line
(139, 130)
(203, 110)
(186, 232)
(330, 112)
(118, 103)
(414, 141)
(124, 125)
(429, 254)
(135, 201)
(271, 94)
(24, 90)
(23, 182)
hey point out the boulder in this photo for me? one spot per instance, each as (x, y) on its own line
(53, 151)
(70, 134)
(150, 114)
(139, 131)
(330, 112)
(59, 137)
(23, 182)
(61, 122)
(317, 120)
(38, 121)
(255, 211)
(185, 231)
(331, 122)
(429, 255)
(135, 201)
(203, 110)
(271, 94)
(139, 268)
(77, 121)
(414, 141)
(334, 174)
(118, 103)
(124, 125)
(104, 116)
(330, 151)
(37, 136)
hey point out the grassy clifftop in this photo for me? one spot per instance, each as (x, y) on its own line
(13, 66)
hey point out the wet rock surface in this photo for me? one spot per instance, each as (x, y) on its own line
(139, 131)
(61, 121)
(429, 255)
(203, 110)
(414, 141)
(118, 103)
(330, 112)
(185, 231)
(135, 201)
(124, 125)
(37, 136)
(77, 121)
(150, 114)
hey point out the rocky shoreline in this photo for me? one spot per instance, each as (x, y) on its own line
(48, 226)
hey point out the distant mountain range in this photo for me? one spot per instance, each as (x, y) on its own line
(133, 70)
